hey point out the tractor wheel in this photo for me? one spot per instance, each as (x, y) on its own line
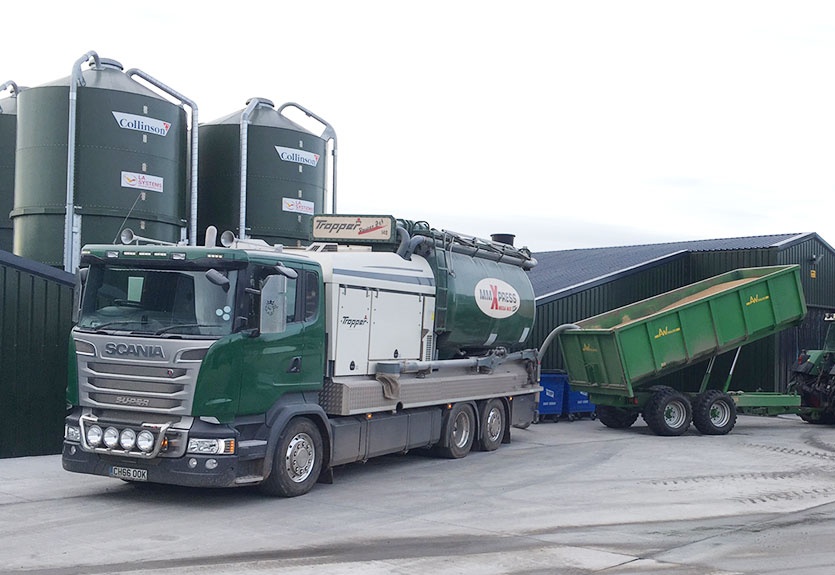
(616, 417)
(668, 412)
(714, 413)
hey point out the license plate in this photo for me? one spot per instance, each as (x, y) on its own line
(129, 473)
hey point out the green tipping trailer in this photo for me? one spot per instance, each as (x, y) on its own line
(616, 356)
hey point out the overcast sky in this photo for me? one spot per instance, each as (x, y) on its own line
(570, 124)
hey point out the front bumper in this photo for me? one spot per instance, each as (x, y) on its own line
(190, 470)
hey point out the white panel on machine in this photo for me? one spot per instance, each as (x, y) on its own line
(353, 326)
(396, 326)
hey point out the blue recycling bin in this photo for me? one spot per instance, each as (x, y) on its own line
(577, 404)
(552, 397)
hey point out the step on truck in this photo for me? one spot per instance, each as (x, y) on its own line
(250, 364)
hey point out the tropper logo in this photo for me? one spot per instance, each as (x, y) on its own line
(297, 156)
(353, 322)
(142, 124)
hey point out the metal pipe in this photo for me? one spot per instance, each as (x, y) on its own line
(251, 104)
(731, 372)
(554, 333)
(488, 251)
(76, 79)
(328, 135)
(192, 239)
(13, 86)
(489, 361)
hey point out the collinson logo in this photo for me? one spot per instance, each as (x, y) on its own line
(590, 349)
(756, 299)
(297, 156)
(142, 124)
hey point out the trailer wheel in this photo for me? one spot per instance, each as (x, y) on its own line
(297, 461)
(493, 419)
(458, 432)
(668, 412)
(616, 417)
(714, 413)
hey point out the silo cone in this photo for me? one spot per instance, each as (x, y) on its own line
(262, 175)
(97, 152)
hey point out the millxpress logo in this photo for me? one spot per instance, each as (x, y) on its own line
(141, 124)
(496, 298)
(134, 350)
(297, 156)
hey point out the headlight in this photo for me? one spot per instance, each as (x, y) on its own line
(127, 439)
(72, 433)
(211, 446)
(94, 435)
(145, 441)
(111, 437)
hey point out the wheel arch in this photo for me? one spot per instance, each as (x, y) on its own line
(280, 415)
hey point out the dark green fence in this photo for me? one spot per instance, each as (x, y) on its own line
(35, 321)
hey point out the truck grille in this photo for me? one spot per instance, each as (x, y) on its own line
(162, 384)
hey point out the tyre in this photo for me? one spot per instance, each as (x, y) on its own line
(297, 461)
(668, 412)
(616, 417)
(714, 413)
(818, 418)
(458, 432)
(492, 426)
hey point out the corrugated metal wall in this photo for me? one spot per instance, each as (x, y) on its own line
(35, 321)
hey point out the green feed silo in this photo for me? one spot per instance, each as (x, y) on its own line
(8, 133)
(261, 175)
(110, 148)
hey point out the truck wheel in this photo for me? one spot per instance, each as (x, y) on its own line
(458, 432)
(668, 412)
(492, 425)
(714, 413)
(297, 461)
(616, 417)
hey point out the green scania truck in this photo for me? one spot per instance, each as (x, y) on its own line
(252, 364)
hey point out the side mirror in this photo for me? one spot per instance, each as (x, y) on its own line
(286, 272)
(273, 316)
(80, 280)
(218, 279)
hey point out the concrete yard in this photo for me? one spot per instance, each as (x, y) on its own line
(562, 498)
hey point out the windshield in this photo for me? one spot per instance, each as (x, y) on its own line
(161, 302)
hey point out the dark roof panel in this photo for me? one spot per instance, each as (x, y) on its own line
(560, 270)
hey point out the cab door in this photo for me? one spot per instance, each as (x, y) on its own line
(291, 358)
